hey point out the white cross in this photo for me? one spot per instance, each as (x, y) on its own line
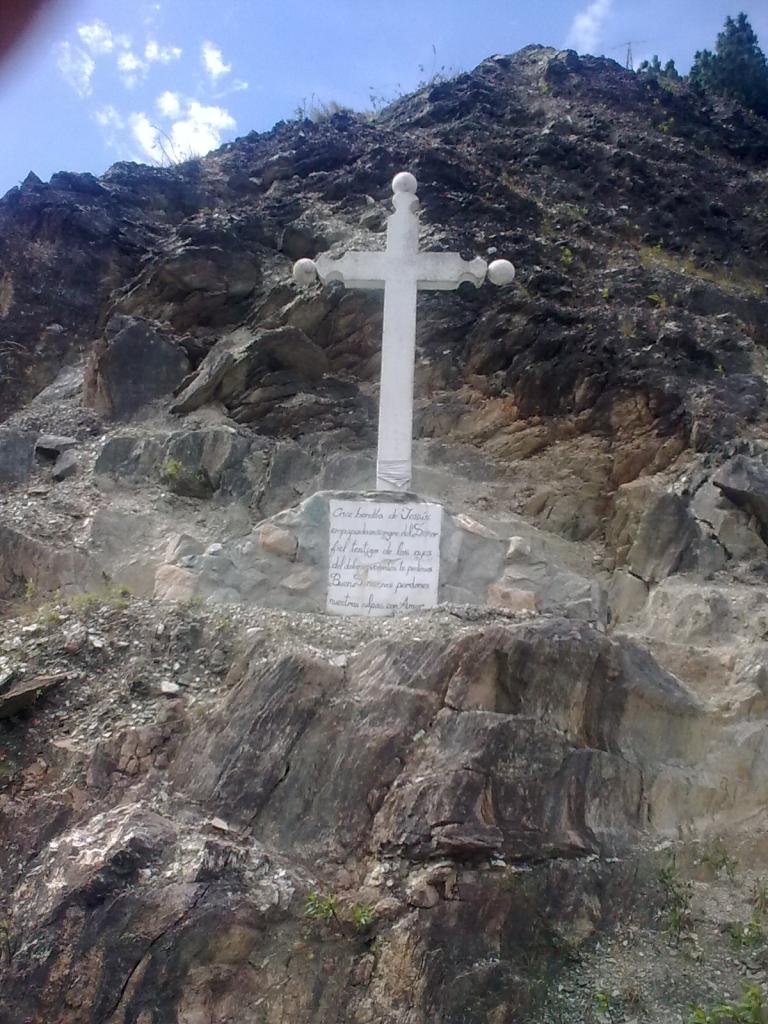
(401, 270)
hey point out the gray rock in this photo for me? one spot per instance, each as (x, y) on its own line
(17, 449)
(730, 524)
(202, 462)
(744, 481)
(44, 566)
(529, 567)
(195, 463)
(292, 469)
(562, 697)
(51, 445)
(66, 465)
(67, 384)
(25, 693)
(666, 539)
(135, 365)
(626, 596)
(237, 364)
(128, 456)
(299, 240)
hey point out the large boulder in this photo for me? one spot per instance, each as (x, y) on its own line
(195, 463)
(195, 285)
(430, 773)
(254, 366)
(744, 480)
(28, 565)
(653, 531)
(17, 454)
(135, 364)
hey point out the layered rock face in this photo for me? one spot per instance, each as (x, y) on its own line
(220, 805)
(454, 780)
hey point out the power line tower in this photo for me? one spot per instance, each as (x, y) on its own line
(629, 60)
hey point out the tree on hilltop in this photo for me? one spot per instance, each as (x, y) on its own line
(737, 69)
(654, 69)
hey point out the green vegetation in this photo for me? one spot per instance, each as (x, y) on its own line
(737, 69)
(748, 1010)
(51, 613)
(430, 77)
(654, 69)
(676, 907)
(748, 935)
(718, 857)
(616, 1006)
(317, 110)
(362, 916)
(566, 258)
(48, 614)
(171, 468)
(321, 908)
(760, 897)
(327, 909)
(606, 1007)
(728, 278)
(81, 603)
(626, 327)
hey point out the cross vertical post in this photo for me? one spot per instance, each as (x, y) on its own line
(401, 271)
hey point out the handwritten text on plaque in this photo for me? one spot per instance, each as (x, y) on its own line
(384, 558)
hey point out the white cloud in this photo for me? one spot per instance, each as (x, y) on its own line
(77, 67)
(131, 69)
(237, 85)
(153, 51)
(213, 61)
(584, 34)
(151, 11)
(200, 131)
(100, 39)
(108, 117)
(146, 134)
(113, 127)
(169, 104)
(97, 37)
(195, 134)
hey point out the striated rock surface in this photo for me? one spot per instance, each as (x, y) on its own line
(544, 801)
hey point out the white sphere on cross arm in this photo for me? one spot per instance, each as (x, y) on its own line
(304, 271)
(404, 182)
(501, 272)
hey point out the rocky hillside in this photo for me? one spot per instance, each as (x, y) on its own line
(549, 805)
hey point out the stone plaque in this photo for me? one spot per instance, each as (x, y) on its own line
(383, 557)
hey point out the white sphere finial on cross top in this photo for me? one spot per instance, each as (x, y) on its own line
(404, 182)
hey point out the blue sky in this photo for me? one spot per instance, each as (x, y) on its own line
(103, 80)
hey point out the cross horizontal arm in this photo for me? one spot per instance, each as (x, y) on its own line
(447, 270)
(354, 269)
